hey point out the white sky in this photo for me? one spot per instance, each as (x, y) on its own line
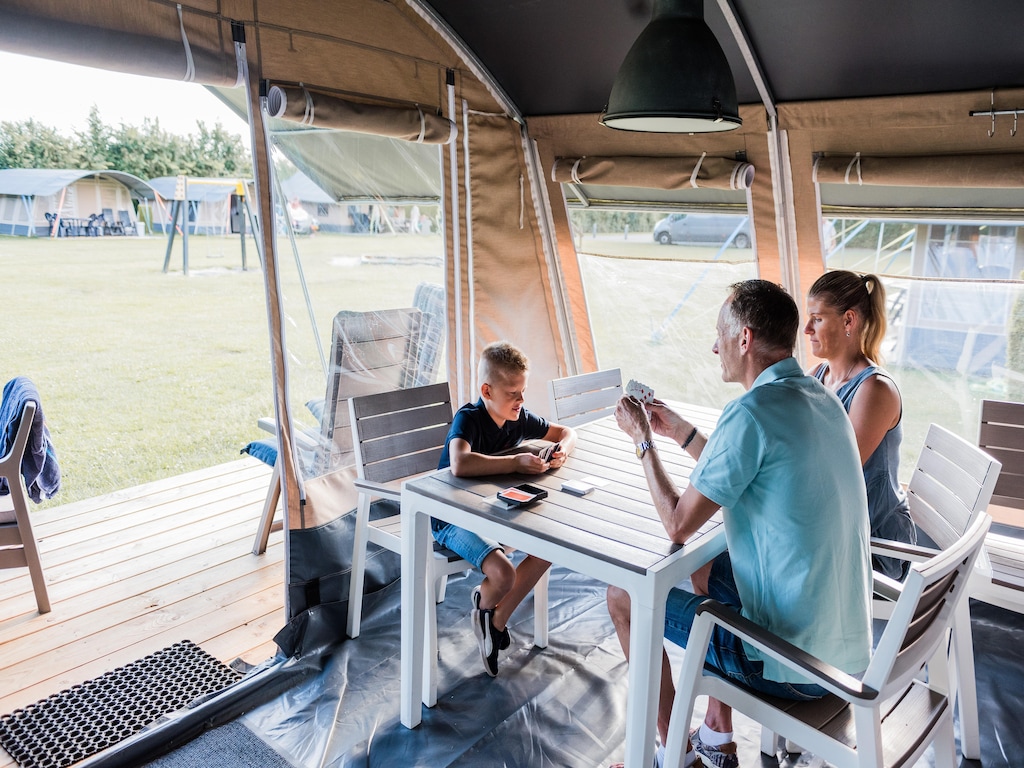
(60, 95)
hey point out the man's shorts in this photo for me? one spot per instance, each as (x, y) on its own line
(726, 653)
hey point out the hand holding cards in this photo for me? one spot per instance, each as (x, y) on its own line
(547, 452)
(641, 392)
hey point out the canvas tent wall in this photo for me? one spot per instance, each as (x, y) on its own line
(28, 194)
(210, 202)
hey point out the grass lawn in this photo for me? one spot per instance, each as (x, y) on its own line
(144, 375)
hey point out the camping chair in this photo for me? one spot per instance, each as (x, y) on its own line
(110, 225)
(886, 718)
(396, 436)
(579, 399)
(371, 352)
(18, 548)
(951, 487)
(1002, 435)
(127, 225)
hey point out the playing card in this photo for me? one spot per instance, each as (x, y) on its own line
(641, 392)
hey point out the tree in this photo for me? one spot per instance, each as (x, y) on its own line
(218, 153)
(94, 142)
(146, 151)
(29, 144)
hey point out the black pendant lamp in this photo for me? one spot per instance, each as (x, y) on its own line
(675, 78)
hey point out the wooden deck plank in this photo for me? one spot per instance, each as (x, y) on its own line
(138, 570)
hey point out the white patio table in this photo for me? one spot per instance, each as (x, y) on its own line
(612, 534)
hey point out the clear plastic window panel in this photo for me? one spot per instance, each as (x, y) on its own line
(955, 295)
(654, 284)
(361, 251)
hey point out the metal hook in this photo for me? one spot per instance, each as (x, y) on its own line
(992, 102)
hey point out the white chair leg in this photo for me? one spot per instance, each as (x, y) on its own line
(964, 684)
(770, 742)
(440, 588)
(540, 611)
(944, 744)
(355, 590)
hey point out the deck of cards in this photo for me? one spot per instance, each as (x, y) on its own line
(641, 392)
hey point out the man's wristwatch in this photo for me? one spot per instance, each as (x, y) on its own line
(643, 447)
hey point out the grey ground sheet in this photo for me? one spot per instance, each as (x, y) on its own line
(563, 706)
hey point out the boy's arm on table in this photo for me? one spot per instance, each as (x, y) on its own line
(465, 462)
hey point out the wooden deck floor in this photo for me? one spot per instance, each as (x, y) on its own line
(138, 570)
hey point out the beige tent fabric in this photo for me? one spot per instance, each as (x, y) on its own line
(996, 170)
(322, 110)
(169, 42)
(656, 172)
(506, 289)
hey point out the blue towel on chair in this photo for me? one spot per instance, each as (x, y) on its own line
(39, 465)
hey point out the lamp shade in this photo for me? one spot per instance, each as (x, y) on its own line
(675, 78)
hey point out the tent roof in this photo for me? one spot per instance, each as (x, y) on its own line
(199, 189)
(47, 181)
(299, 186)
(561, 58)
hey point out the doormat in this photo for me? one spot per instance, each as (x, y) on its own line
(69, 726)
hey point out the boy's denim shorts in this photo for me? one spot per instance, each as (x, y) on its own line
(726, 653)
(470, 547)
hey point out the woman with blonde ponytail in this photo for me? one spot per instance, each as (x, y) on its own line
(846, 324)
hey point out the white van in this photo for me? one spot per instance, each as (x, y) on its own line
(714, 228)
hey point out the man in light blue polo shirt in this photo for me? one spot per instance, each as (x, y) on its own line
(784, 467)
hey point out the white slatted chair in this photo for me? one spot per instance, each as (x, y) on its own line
(584, 398)
(887, 718)
(395, 436)
(951, 486)
(1002, 435)
(18, 548)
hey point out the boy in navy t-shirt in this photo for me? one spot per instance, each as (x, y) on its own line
(497, 422)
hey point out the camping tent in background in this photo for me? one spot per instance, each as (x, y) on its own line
(27, 195)
(214, 206)
(320, 206)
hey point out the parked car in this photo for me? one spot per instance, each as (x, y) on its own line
(702, 228)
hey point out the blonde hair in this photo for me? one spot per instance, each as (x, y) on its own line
(500, 359)
(842, 290)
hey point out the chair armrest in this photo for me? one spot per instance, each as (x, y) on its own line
(378, 489)
(838, 682)
(901, 550)
(306, 439)
(886, 587)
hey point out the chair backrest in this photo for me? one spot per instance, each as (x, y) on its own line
(579, 399)
(1002, 436)
(401, 433)
(18, 547)
(429, 299)
(952, 484)
(371, 352)
(924, 611)
(10, 462)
